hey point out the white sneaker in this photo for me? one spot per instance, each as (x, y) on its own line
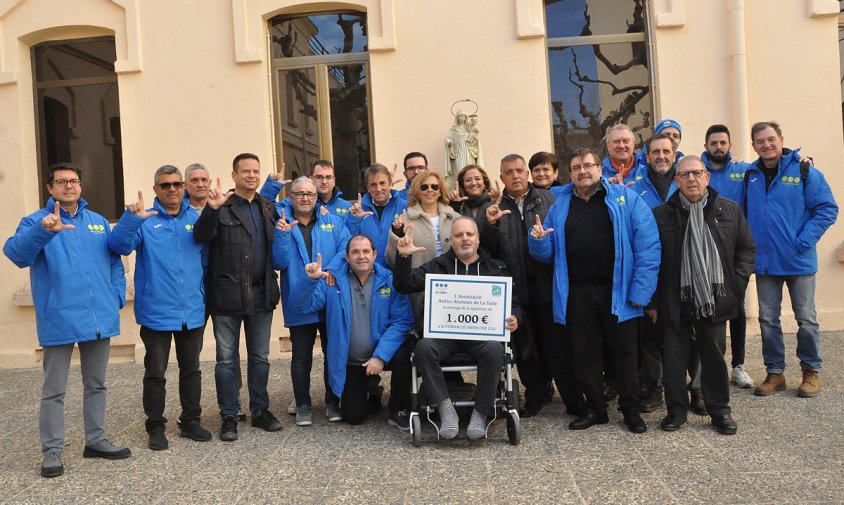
(741, 378)
(292, 409)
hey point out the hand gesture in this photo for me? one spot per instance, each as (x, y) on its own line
(455, 195)
(216, 197)
(616, 179)
(394, 174)
(323, 210)
(357, 209)
(538, 231)
(495, 193)
(405, 246)
(651, 313)
(398, 224)
(53, 222)
(283, 225)
(139, 209)
(314, 270)
(494, 212)
(511, 323)
(374, 366)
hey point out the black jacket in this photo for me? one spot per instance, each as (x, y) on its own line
(412, 280)
(228, 281)
(733, 240)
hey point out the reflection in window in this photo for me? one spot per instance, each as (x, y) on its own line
(318, 35)
(79, 118)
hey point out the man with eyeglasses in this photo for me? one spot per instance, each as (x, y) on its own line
(415, 163)
(169, 299)
(241, 289)
(328, 194)
(367, 320)
(707, 258)
(602, 241)
(299, 238)
(78, 289)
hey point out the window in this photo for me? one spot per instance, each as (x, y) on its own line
(78, 117)
(599, 71)
(320, 68)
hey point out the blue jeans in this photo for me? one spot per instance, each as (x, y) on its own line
(801, 289)
(227, 334)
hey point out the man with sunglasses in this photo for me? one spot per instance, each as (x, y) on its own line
(169, 299)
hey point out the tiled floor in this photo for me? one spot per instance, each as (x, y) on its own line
(787, 450)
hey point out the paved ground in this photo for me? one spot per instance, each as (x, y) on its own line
(787, 450)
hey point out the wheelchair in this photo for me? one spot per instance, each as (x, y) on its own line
(506, 400)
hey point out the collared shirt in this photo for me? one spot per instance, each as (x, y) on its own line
(254, 220)
(307, 230)
(360, 340)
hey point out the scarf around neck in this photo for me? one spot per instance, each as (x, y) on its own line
(701, 273)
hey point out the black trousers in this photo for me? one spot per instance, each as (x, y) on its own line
(353, 402)
(558, 351)
(489, 355)
(302, 339)
(710, 339)
(188, 347)
(650, 336)
(738, 334)
(591, 325)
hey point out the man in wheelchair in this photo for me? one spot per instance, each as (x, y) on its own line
(464, 258)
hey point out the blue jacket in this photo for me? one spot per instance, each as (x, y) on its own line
(390, 318)
(637, 251)
(729, 181)
(647, 192)
(403, 192)
(78, 284)
(169, 273)
(378, 229)
(335, 205)
(607, 170)
(787, 221)
(328, 237)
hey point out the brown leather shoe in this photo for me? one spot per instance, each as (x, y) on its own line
(773, 382)
(811, 385)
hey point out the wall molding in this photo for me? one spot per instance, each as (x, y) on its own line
(822, 8)
(673, 16)
(530, 22)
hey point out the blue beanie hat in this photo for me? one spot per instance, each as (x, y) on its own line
(668, 123)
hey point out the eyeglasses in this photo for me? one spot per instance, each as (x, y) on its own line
(425, 187)
(326, 178)
(167, 186)
(585, 167)
(416, 168)
(64, 182)
(697, 174)
(302, 195)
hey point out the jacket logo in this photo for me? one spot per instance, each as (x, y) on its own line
(188, 227)
(385, 292)
(96, 228)
(157, 226)
(621, 200)
(638, 177)
(737, 177)
(790, 181)
(395, 216)
(326, 227)
(342, 211)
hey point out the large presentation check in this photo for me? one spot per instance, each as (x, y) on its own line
(467, 307)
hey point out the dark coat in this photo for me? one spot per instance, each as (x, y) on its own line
(733, 240)
(228, 283)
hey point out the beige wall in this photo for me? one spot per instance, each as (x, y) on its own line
(192, 100)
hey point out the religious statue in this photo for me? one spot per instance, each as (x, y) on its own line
(462, 146)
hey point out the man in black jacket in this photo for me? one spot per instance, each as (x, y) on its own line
(241, 289)
(707, 258)
(464, 258)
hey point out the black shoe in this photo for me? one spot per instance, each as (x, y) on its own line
(696, 404)
(652, 401)
(106, 450)
(672, 422)
(400, 420)
(194, 431)
(52, 465)
(531, 409)
(241, 416)
(228, 431)
(635, 423)
(266, 421)
(157, 439)
(725, 425)
(589, 419)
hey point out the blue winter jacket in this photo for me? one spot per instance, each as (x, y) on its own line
(729, 180)
(78, 284)
(328, 238)
(647, 192)
(378, 229)
(335, 205)
(787, 221)
(637, 251)
(390, 318)
(607, 170)
(169, 273)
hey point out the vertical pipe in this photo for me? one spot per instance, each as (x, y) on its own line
(741, 130)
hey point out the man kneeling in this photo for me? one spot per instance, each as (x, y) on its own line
(367, 320)
(464, 258)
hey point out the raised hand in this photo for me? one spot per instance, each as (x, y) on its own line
(405, 245)
(283, 225)
(53, 222)
(394, 174)
(139, 209)
(357, 209)
(323, 210)
(494, 212)
(616, 179)
(279, 177)
(539, 231)
(314, 270)
(216, 197)
(455, 195)
(398, 224)
(495, 193)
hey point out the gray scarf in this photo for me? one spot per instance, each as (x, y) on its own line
(701, 274)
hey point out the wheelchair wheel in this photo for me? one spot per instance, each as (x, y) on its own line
(416, 427)
(514, 429)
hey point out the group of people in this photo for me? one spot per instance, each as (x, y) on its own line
(623, 281)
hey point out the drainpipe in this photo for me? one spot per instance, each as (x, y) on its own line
(738, 57)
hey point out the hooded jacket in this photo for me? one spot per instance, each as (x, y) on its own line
(335, 205)
(608, 171)
(647, 192)
(375, 227)
(169, 273)
(637, 251)
(78, 284)
(729, 180)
